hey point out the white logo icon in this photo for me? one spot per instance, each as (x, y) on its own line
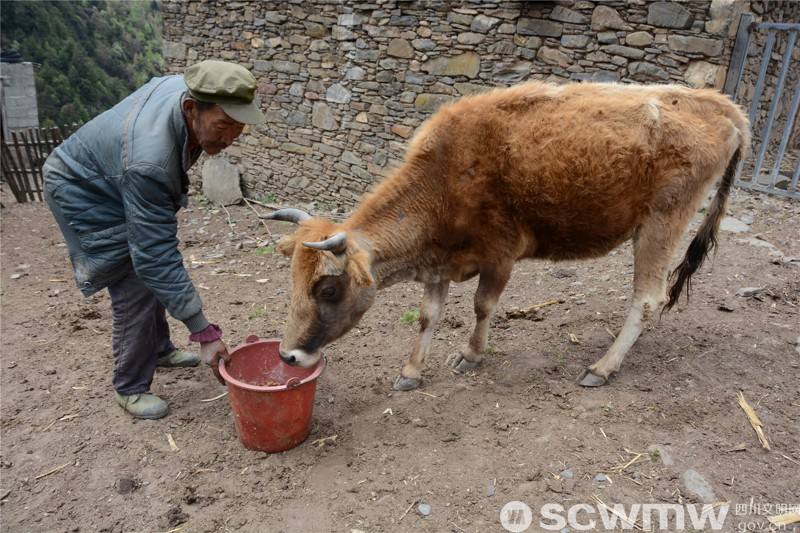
(516, 516)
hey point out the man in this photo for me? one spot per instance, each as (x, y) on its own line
(114, 188)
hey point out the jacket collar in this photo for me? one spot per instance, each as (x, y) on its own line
(188, 157)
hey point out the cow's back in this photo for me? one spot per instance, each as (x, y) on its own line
(573, 170)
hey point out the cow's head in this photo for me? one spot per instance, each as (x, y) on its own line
(332, 286)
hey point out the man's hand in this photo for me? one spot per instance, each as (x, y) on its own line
(211, 353)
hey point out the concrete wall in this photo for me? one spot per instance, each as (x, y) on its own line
(345, 84)
(18, 98)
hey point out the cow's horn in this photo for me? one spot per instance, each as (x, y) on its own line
(336, 244)
(287, 214)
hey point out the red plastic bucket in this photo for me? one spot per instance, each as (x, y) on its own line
(272, 402)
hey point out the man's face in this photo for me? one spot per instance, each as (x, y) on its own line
(213, 130)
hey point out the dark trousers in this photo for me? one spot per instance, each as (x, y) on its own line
(140, 330)
(140, 334)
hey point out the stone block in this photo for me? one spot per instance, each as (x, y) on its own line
(624, 51)
(702, 74)
(607, 18)
(607, 37)
(502, 48)
(482, 23)
(458, 18)
(563, 14)
(337, 94)
(351, 158)
(470, 88)
(470, 38)
(425, 45)
(428, 103)
(355, 73)
(286, 67)
(172, 50)
(400, 48)
(340, 33)
(644, 71)
(669, 15)
(314, 30)
(639, 38)
(575, 41)
(467, 64)
(553, 56)
(221, 181)
(403, 131)
(509, 74)
(293, 148)
(540, 27)
(695, 45)
(323, 118)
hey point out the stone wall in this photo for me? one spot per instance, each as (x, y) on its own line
(344, 85)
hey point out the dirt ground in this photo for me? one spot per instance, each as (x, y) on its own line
(517, 429)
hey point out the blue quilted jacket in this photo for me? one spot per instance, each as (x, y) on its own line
(115, 187)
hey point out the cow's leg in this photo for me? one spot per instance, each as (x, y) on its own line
(492, 282)
(654, 244)
(431, 311)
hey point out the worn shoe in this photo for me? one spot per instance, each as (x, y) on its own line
(145, 405)
(178, 358)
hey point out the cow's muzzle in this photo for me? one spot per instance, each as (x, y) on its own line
(299, 358)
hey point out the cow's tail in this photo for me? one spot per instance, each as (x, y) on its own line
(706, 238)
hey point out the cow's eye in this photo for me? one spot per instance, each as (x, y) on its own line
(328, 293)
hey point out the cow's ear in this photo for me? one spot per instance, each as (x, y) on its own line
(286, 245)
(358, 268)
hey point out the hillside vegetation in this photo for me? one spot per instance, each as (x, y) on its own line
(89, 54)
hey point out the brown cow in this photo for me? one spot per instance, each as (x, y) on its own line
(532, 171)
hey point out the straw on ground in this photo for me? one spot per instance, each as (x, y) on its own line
(754, 421)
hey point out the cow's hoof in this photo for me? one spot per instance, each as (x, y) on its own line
(590, 379)
(404, 384)
(460, 364)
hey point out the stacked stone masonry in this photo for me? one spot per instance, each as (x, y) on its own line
(345, 84)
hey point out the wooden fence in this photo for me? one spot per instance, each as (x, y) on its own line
(24, 153)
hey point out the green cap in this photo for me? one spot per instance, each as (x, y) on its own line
(230, 86)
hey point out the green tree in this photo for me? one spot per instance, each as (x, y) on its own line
(90, 54)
